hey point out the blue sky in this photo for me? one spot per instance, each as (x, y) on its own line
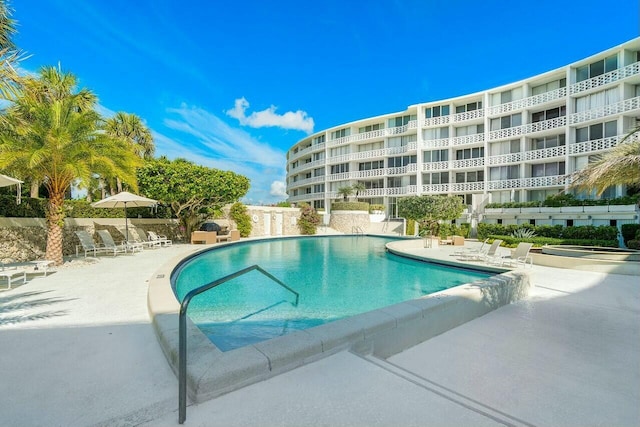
(234, 84)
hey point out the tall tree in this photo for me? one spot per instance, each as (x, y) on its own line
(358, 187)
(345, 192)
(9, 54)
(428, 210)
(131, 129)
(193, 192)
(621, 165)
(54, 131)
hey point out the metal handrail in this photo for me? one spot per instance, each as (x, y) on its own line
(357, 230)
(182, 331)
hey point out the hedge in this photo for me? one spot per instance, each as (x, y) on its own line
(587, 232)
(350, 206)
(629, 232)
(512, 242)
(36, 208)
(568, 200)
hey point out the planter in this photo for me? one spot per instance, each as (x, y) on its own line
(575, 209)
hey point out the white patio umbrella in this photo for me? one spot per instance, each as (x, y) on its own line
(6, 181)
(122, 200)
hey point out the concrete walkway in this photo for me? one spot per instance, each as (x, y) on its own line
(77, 349)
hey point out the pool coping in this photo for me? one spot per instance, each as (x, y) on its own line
(382, 332)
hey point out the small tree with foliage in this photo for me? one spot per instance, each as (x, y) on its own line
(358, 188)
(309, 219)
(193, 192)
(345, 192)
(239, 215)
(429, 210)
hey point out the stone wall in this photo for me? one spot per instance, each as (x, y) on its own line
(25, 239)
(346, 221)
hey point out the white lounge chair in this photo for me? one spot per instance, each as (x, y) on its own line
(483, 256)
(153, 237)
(472, 251)
(12, 274)
(88, 245)
(138, 236)
(519, 256)
(125, 247)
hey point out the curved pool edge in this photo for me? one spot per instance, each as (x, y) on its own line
(382, 332)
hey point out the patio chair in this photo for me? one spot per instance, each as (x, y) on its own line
(12, 274)
(471, 251)
(138, 237)
(483, 256)
(519, 256)
(124, 246)
(88, 245)
(154, 237)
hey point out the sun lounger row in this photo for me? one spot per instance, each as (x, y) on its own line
(110, 247)
(489, 254)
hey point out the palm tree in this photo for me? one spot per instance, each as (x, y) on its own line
(131, 129)
(358, 187)
(621, 165)
(345, 192)
(9, 54)
(54, 131)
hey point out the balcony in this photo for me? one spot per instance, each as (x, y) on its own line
(468, 115)
(462, 187)
(310, 165)
(436, 121)
(603, 79)
(534, 182)
(528, 102)
(308, 150)
(594, 146)
(435, 188)
(435, 143)
(607, 110)
(528, 128)
(435, 166)
(467, 139)
(306, 181)
(467, 163)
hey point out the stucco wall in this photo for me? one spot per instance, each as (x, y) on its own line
(345, 221)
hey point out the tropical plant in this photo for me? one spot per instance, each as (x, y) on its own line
(193, 192)
(428, 210)
(358, 187)
(238, 213)
(345, 192)
(10, 56)
(309, 219)
(621, 165)
(53, 131)
(523, 233)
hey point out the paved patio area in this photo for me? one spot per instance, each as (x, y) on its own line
(77, 349)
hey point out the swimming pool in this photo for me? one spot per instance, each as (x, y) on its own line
(336, 277)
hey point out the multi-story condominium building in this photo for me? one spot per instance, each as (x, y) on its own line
(517, 142)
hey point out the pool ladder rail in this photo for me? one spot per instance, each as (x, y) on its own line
(182, 330)
(357, 230)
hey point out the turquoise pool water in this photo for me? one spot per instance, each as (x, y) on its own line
(336, 277)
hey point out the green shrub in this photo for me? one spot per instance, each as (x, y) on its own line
(559, 200)
(238, 214)
(633, 244)
(512, 242)
(465, 230)
(629, 232)
(376, 208)
(588, 232)
(350, 206)
(309, 219)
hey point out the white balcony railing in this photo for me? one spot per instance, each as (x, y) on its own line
(435, 166)
(436, 188)
(468, 115)
(467, 163)
(506, 158)
(308, 150)
(458, 187)
(528, 128)
(603, 79)
(306, 181)
(435, 143)
(545, 153)
(467, 139)
(528, 102)
(534, 182)
(594, 146)
(607, 110)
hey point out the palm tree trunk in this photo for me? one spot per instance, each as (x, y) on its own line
(55, 224)
(119, 185)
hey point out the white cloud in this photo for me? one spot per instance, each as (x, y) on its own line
(201, 137)
(278, 189)
(298, 120)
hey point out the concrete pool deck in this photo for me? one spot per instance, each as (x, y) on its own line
(77, 349)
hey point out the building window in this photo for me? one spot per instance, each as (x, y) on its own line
(394, 182)
(395, 162)
(613, 222)
(339, 151)
(318, 172)
(436, 156)
(318, 140)
(371, 128)
(437, 111)
(547, 169)
(469, 130)
(401, 120)
(597, 100)
(318, 188)
(437, 133)
(532, 222)
(548, 114)
(340, 133)
(569, 223)
(547, 142)
(470, 153)
(499, 221)
(548, 87)
(506, 96)
(402, 141)
(435, 178)
(341, 168)
(472, 106)
(376, 164)
(597, 131)
(506, 122)
(597, 68)
(371, 146)
(473, 176)
(318, 204)
(500, 173)
(377, 183)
